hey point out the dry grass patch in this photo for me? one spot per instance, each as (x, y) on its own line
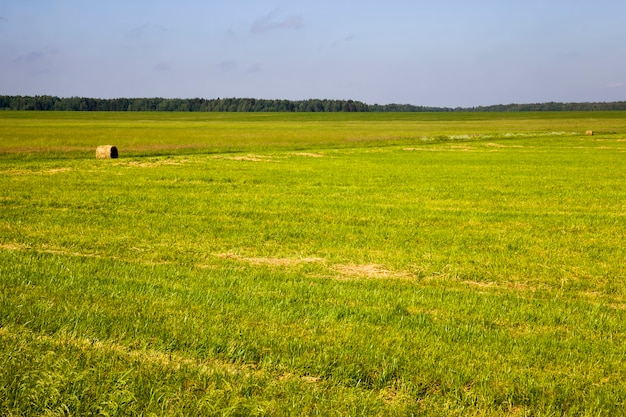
(56, 170)
(306, 378)
(151, 164)
(499, 145)
(311, 379)
(309, 155)
(51, 171)
(431, 149)
(349, 271)
(418, 149)
(13, 246)
(463, 148)
(168, 360)
(283, 262)
(64, 252)
(247, 158)
(46, 249)
(499, 286)
(369, 271)
(453, 148)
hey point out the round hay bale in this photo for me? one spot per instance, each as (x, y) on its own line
(589, 133)
(106, 152)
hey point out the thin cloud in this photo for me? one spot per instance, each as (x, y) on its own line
(162, 66)
(254, 68)
(35, 56)
(231, 33)
(347, 39)
(615, 85)
(39, 62)
(269, 23)
(31, 57)
(228, 65)
(144, 30)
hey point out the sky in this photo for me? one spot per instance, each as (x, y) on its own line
(449, 53)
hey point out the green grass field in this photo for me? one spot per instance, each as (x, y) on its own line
(313, 264)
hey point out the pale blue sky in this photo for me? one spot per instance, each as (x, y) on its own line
(430, 52)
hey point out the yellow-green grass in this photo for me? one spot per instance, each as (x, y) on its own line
(460, 265)
(139, 134)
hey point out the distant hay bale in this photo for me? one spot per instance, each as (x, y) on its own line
(589, 133)
(106, 152)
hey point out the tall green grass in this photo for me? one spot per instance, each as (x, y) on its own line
(436, 273)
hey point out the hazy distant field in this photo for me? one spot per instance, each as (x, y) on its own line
(315, 264)
(141, 134)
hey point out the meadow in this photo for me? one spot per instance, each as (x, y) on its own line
(431, 264)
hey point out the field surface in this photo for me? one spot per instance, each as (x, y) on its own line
(313, 264)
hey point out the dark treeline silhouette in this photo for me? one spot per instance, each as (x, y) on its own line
(179, 105)
(260, 105)
(551, 106)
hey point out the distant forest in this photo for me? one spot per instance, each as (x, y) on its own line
(43, 103)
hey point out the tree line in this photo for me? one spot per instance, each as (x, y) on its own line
(43, 103)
